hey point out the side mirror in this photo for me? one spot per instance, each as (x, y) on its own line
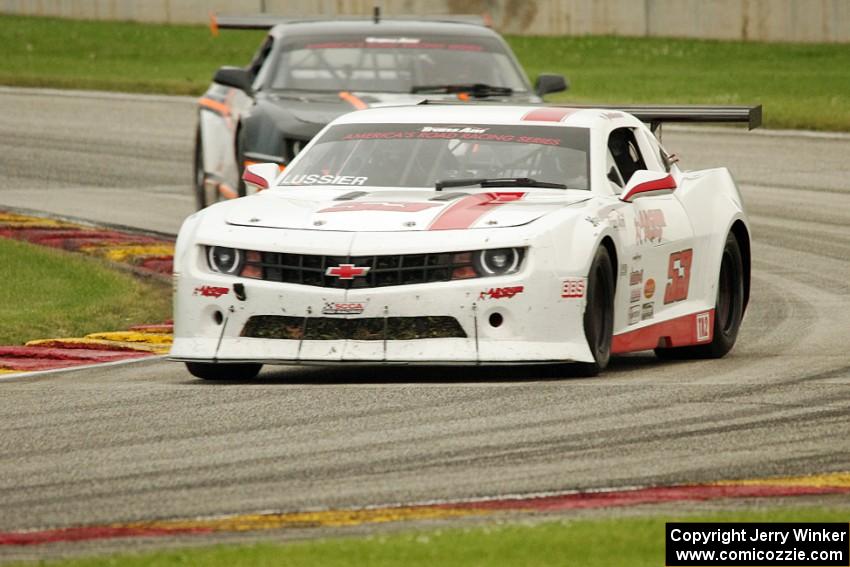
(235, 77)
(645, 183)
(548, 83)
(260, 175)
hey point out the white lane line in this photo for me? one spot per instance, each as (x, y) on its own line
(71, 93)
(733, 130)
(40, 373)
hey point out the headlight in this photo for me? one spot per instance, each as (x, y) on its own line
(497, 262)
(224, 260)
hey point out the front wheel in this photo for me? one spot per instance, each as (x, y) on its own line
(200, 176)
(599, 313)
(728, 310)
(213, 371)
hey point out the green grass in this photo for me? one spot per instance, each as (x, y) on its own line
(51, 293)
(800, 85)
(634, 541)
(118, 56)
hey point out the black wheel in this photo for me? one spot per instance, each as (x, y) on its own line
(212, 371)
(728, 310)
(199, 178)
(599, 313)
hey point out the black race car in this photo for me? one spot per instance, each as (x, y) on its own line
(306, 73)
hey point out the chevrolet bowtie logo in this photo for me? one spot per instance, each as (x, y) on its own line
(347, 271)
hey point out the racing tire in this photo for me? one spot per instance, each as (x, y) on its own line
(199, 177)
(728, 310)
(598, 314)
(213, 371)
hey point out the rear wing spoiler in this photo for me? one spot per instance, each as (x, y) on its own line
(657, 114)
(268, 21)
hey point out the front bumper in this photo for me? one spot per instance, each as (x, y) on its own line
(528, 323)
(537, 325)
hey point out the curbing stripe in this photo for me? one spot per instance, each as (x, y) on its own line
(132, 337)
(142, 253)
(101, 343)
(832, 483)
(830, 480)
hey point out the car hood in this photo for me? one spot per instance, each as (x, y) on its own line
(369, 209)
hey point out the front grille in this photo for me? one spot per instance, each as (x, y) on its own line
(358, 329)
(385, 270)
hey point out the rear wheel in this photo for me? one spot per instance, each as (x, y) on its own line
(599, 313)
(728, 310)
(213, 371)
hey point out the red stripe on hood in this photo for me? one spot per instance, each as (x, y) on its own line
(548, 114)
(463, 213)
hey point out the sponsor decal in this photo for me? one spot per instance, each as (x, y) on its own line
(634, 295)
(572, 288)
(439, 133)
(347, 271)
(593, 220)
(703, 327)
(647, 311)
(464, 130)
(634, 314)
(678, 276)
(616, 220)
(501, 292)
(392, 40)
(649, 288)
(210, 291)
(386, 207)
(649, 226)
(636, 277)
(343, 308)
(316, 179)
(396, 43)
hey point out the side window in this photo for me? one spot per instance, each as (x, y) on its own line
(260, 56)
(613, 174)
(625, 152)
(655, 156)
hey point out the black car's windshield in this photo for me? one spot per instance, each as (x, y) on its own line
(392, 64)
(421, 155)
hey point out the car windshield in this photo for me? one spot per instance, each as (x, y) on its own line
(393, 64)
(420, 155)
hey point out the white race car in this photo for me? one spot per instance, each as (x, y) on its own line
(465, 234)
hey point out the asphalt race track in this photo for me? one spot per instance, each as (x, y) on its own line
(147, 440)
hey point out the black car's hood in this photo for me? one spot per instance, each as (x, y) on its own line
(278, 116)
(322, 107)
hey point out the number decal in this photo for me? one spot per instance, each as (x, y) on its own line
(678, 276)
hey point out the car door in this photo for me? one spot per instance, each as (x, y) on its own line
(657, 238)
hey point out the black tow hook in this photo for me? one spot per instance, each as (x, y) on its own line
(239, 291)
